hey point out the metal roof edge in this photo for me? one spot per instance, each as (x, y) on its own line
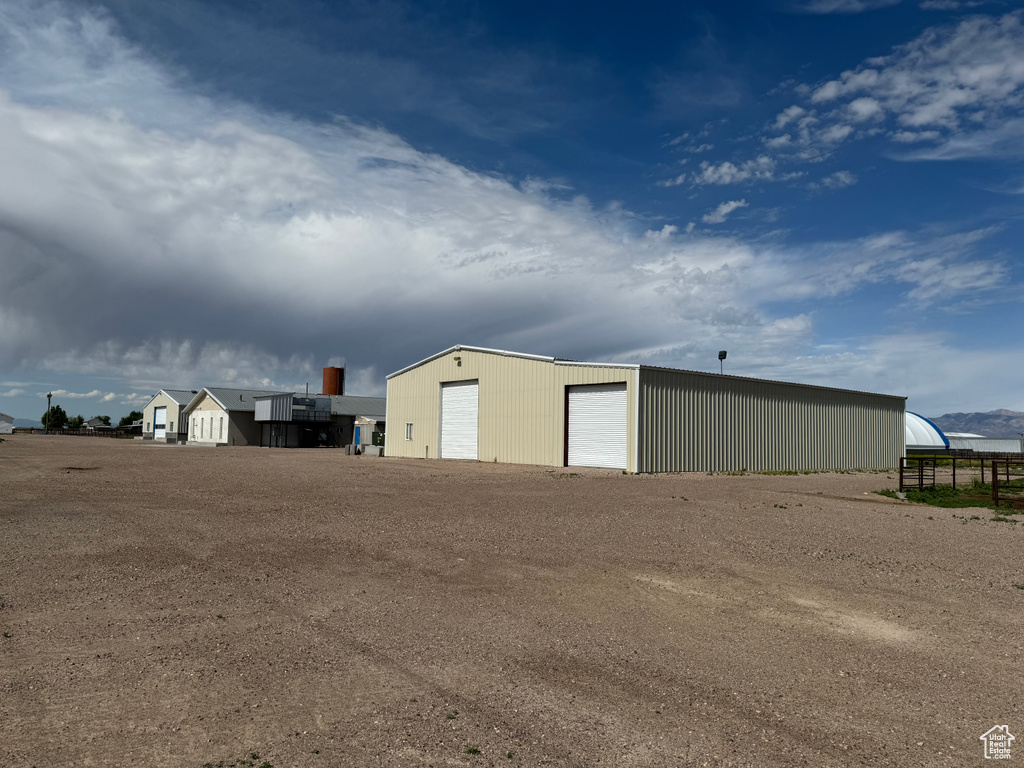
(631, 366)
(771, 381)
(459, 347)
(167, 392)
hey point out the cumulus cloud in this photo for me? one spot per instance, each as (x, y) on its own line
(952, 80)
(16, 392)
(956, 91)
(788, 115)
(94, 395)
(837, 180)
(761, 168)
(722, 212)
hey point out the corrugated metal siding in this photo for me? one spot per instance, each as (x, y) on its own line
(694, 422)
(275, 408)
(521, 405)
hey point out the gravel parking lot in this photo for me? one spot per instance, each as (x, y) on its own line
(178, 606)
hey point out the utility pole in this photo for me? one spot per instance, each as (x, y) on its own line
(46, 426)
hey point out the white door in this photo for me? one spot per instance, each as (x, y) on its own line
(159, 423)
(597, 426)
(459, 419)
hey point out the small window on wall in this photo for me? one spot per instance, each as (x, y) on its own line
(172, 426)
(408, 431)
(220, 435)
(193, 427)
(147, 426)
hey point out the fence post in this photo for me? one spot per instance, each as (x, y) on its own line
(995, 482)
(903, 462)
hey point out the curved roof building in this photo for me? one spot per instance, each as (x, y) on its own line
(922, 435)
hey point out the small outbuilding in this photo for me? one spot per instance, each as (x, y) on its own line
(292, 420)
(163, 418)
(6, 424)
(221, 416)
(495, 405)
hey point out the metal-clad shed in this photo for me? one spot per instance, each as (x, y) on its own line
(495, 405)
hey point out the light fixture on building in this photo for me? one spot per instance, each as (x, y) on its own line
(721, 357)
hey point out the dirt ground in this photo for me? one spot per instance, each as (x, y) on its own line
(178, 606)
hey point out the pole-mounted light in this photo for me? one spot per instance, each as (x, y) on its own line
(721, 357)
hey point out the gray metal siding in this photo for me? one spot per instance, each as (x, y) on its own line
(274, 408)
(696, 422)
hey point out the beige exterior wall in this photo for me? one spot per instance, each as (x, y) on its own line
(174, 413)
(204, 423)
(695, 422)
(521, 405)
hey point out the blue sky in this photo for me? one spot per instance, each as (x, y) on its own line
(237, 194)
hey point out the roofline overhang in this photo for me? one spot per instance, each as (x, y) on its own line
(199, 396)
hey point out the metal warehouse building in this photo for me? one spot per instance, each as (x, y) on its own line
(493, 405)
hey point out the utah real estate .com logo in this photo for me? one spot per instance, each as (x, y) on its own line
(997, 742)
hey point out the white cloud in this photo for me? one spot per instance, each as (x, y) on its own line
(779, 142)
(94, 395)
(674, 182)
(16, 392)
(943, 79)
(844, 6)
(788, 115)
(863, 109)
(837, 180)
(947, 5)
(720, 213)
(761, 168)
(909, 137)
(958, 88)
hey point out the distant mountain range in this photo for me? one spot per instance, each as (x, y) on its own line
(28, 423)
(1000, 423)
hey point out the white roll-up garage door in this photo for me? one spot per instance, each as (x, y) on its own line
(459, 418)
(160, 423)
(597, 426)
